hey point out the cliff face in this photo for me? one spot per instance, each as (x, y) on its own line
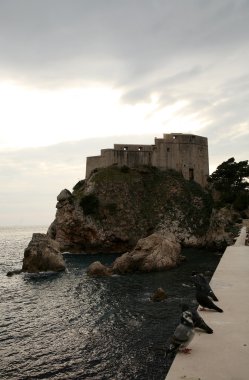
(42, 255)
(115, 207)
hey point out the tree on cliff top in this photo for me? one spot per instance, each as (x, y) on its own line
(230, 179)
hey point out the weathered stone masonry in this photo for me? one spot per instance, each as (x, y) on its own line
(186, 153)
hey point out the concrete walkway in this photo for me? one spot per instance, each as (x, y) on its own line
(240, 241)
(223, 355)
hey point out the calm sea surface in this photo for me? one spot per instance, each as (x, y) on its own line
(70, 326)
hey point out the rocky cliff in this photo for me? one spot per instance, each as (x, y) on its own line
(115, 207)
(42, 255)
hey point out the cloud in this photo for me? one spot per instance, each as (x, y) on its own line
(114, 41)
(189, 57)
(178, 51)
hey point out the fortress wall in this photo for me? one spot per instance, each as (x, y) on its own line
(185, 153)
(118, 157)
(92, 163)
(133, 147)
(194, 157)
(131, 158)
(166, 155)
(104, 160)
(184, 138)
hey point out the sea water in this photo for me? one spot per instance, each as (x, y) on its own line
(71, 326)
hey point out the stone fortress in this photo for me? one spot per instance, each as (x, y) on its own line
(185, 153)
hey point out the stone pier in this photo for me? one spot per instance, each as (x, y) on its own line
(223, 355)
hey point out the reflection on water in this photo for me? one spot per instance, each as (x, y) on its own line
(71, 326)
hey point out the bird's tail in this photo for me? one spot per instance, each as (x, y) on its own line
(206, 328)
(172, 349)
(213, 296)
(215, 307)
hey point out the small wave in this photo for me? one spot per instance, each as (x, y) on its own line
(186, 285)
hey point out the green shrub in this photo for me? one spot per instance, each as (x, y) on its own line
(242, 201)
(125, 169)
(90, 204)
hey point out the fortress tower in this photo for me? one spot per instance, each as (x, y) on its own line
(186, 153)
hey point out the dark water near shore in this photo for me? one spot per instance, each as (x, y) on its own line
(70, 326)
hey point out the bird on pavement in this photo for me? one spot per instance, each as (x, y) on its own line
(200, 281)
(205, 301)
(197, 319)
(183, 334)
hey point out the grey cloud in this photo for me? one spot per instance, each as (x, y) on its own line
(181, 50)
(162, 83)
(114, 40)
(236, 147)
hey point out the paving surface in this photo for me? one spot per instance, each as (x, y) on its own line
(223, 355)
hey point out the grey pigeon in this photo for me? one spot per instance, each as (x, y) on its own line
(197, 319)
(205, 301)
(183, 334)
(201, 282)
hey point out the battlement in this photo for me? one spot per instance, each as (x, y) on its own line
(181, 138)
(186, 153)
(133, 147)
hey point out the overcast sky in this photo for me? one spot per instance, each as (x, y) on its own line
(80, 75)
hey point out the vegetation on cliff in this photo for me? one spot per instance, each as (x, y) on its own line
(230, 181)
(115, 207)
(146, 194)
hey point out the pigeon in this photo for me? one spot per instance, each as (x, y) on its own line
(205, 301)
(183, 334)
(197, 319)
(200, 281)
